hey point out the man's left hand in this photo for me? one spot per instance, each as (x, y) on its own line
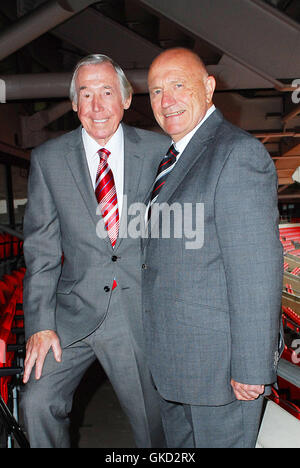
(247, 392)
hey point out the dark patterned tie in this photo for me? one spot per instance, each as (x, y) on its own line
(164, 169)
(107, 196)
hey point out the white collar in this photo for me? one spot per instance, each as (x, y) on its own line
(182, 144)
(92, 147)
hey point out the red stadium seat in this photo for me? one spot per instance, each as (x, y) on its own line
(11, 294)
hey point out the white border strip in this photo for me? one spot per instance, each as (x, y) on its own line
(2, 92)
(289, 225)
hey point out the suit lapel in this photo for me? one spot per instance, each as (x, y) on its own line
(77, 163)
(192, 153)
(78, 166)
(132, 163)
(132, 174)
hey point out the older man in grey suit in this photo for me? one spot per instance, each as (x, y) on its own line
(211, 306)
(82, 296)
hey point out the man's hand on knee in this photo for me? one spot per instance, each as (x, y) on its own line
(37, 349)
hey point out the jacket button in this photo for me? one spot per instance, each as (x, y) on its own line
(106, 288)
(144, 266)
(114, 258)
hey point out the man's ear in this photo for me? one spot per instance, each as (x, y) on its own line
(210, 88)
(74, 107)
(127, 102)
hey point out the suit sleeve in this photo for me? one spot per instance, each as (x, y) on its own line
(246, 215)
(42, 252)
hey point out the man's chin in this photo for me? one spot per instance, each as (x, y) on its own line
(101, 137)
(174, 131)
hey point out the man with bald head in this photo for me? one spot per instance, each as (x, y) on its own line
(211, 310)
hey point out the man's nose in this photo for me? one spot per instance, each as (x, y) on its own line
(167, 99)
(97, 104)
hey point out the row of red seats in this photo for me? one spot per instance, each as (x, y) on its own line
(11, 317)
(289, 248)
(287, 395)
(291, 319)
(295, 271)
(10, 246)
(290, 232)
(290, 237)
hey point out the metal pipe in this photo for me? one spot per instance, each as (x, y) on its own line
(35, 86)
(38, 22)
(54, 85)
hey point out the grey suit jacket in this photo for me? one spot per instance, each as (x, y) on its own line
(73, 297)
(212, 314)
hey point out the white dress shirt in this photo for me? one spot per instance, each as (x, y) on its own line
(116, 160)
(182, 144)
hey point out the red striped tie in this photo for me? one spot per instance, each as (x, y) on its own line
(107, 196)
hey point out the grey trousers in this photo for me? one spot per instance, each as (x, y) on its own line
(46, 403)
(235, 425)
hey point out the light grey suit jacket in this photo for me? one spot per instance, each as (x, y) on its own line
(213, 314)
(73, 298)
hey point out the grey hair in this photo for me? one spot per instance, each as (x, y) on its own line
(95, 59)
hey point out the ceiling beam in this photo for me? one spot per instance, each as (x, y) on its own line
(100, 34)
(38, 22)
(13, 151)
(285, 181)
(274, 134)
(289, 196)
(291, 115)
(232, 25)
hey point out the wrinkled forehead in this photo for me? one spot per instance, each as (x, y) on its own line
(97, 74)
(171, 72)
